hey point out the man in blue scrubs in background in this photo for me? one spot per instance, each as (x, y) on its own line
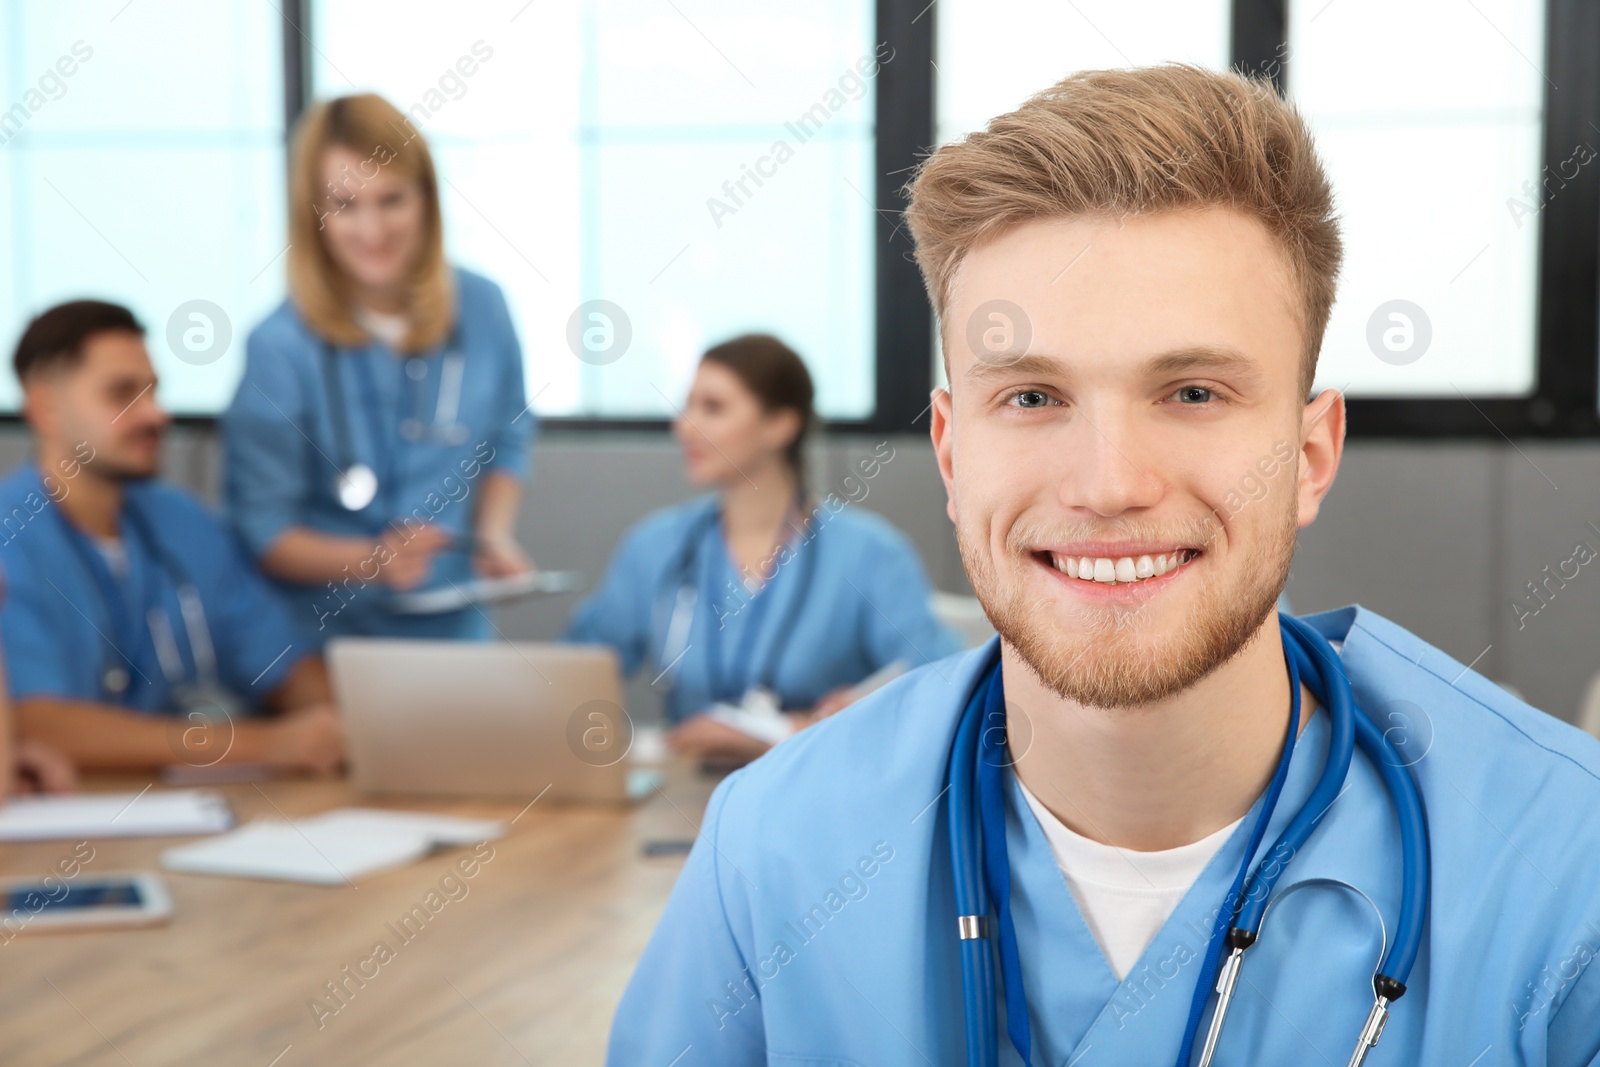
(1133, 274)
(136, 633)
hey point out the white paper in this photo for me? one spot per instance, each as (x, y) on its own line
(153, 813)
(438, 829)
(757, 716)
(649, 746)
(334, 848)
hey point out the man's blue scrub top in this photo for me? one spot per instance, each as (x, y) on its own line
(848, 598)
(59, 632)
(814, 922)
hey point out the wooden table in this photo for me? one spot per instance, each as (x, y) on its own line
(525, 968)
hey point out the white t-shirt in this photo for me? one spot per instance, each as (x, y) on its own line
(1125, 896)
(116, 555)
(390, 329)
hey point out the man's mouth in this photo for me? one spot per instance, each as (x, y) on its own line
(1131, 569)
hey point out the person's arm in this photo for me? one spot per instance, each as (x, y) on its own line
(27, 766)
(304, 735)
(692, 986)
(1574, 1030)
(508, 439)
(899, 627)
(105, 737)
(618, 612)
(701, 735)
(306, 685)
(261, 658)
(268, 459)
(498, 554)
(898, 619)
(8, 730)
(41, 769)
(301, 554)
(399, 559)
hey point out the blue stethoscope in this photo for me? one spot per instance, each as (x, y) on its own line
(356, 484)
(685, 575)
(115, 680)
(978, 857)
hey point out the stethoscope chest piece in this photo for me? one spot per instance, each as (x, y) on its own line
(356, 486)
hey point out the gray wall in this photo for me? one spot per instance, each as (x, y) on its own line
(1442, 538)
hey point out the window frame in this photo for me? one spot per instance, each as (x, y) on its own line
(1565, 402)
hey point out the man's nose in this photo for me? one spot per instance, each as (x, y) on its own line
(1104, 468)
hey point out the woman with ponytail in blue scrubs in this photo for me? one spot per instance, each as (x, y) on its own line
(764, 586)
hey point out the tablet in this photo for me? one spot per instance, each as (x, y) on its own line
(485, 591)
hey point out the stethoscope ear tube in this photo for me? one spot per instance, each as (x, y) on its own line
(1389, 984)
(1415, 870)
(355, 485)
(972, 898)
(1237, 939)
(1350, 724)
(1416, 861)
(1304, 655)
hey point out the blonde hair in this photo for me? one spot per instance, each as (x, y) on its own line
(370, 126)
(1113, 143)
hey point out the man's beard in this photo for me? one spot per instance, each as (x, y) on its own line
(1110, 660)
(108, 465)
(112, 471)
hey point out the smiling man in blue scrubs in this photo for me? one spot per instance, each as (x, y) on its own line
(137, 633)
(1133, 274)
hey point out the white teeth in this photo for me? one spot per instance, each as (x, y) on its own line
(1123, 569)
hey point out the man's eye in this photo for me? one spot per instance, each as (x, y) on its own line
(1194, 394)
(1031, 398)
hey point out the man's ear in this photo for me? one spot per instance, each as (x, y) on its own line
(1322, 427)
(39, 405)
(941, 428)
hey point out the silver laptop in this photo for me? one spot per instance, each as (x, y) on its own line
(469, 718)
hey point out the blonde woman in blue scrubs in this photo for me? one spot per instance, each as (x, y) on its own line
(379, 438)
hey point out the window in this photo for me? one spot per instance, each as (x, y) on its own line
(1433, 145)
(141, 161)
(708, 167)
(987, 68)
(704, 166)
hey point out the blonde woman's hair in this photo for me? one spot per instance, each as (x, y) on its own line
(374, 129)
(1113, 143)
